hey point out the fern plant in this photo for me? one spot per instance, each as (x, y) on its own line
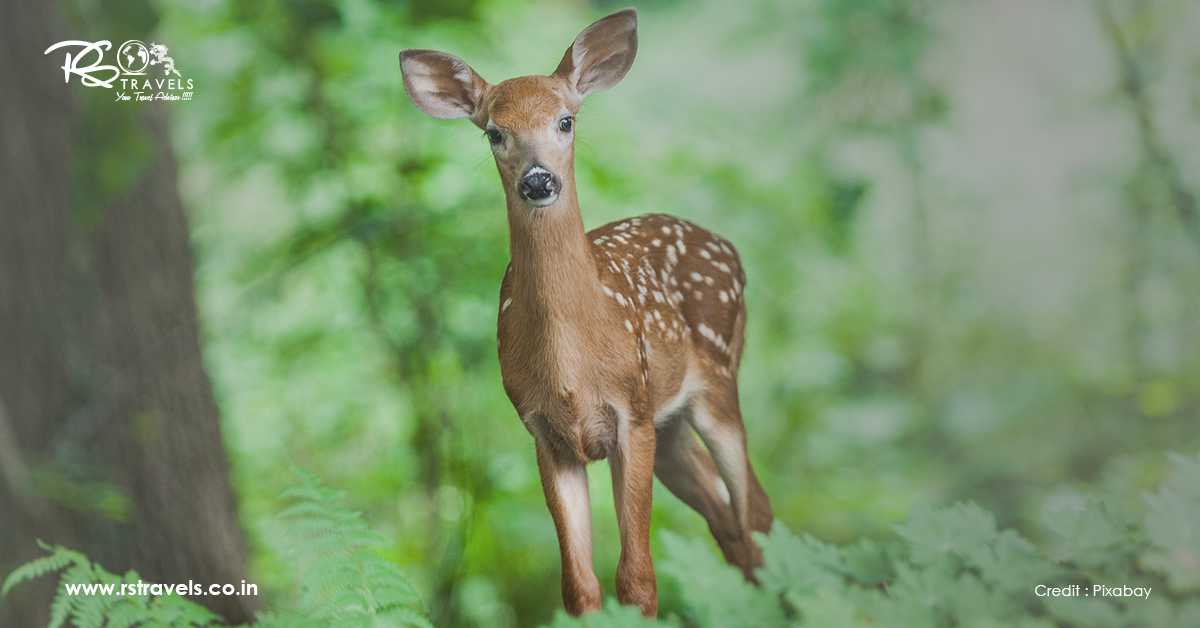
(341, 580)
(111, 610)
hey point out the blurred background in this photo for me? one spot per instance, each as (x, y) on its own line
(970, 230)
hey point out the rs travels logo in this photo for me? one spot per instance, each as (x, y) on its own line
(142, 72)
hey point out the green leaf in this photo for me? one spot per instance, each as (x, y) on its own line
(1173, 526)
(956, 531)
(612, 615)
(716, 594)
(798, 565)
(37, 568)
(1085, 531)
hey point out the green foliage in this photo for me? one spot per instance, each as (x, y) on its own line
(334, 557)
(1173, 526)
(57, 560)
(612, 615)
(950, 567)
(106, 607)
(713, 592)
(339, 576)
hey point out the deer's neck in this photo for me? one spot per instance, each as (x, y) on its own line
(554, 275)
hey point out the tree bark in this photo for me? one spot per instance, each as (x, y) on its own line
(109, 434)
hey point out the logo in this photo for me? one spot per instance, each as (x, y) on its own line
(142, 72)
(133, 57)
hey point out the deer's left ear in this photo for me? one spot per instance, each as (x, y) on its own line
(602, 54)
(442, 85)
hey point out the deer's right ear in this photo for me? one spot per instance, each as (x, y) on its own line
(442, 85)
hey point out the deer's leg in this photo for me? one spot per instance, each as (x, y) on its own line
(632, 465)
(566, 487)
(686, 468)
(718, 420)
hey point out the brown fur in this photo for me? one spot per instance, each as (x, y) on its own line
(521, 103)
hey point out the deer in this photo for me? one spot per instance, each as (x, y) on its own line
(620, 343)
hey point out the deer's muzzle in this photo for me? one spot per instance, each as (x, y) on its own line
(539, 186)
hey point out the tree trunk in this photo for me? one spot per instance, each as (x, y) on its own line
(109, 433)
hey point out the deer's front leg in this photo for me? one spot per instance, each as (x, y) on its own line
(633, 481)
(566, 487)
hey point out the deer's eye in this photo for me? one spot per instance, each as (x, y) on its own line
(565, 124)
(494, 136)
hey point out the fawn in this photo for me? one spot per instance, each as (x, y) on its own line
(615, 343)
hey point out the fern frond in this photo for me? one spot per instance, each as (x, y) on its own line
(406, 616)
(59, 558)
(60, 610)
(340, 576)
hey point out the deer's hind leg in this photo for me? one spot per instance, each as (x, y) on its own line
(685, 467)
(717, 418)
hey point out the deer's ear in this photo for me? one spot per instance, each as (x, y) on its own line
(602, 54)
(441, 85)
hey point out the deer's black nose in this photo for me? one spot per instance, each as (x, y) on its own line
(538, 184)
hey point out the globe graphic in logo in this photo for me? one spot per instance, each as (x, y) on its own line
(133, 57)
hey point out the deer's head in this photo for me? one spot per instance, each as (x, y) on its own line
(529, 120)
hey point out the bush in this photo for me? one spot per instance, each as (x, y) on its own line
(339, 578)
(954, 567)
(946, 567)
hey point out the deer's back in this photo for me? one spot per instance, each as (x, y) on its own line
(681, 283)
